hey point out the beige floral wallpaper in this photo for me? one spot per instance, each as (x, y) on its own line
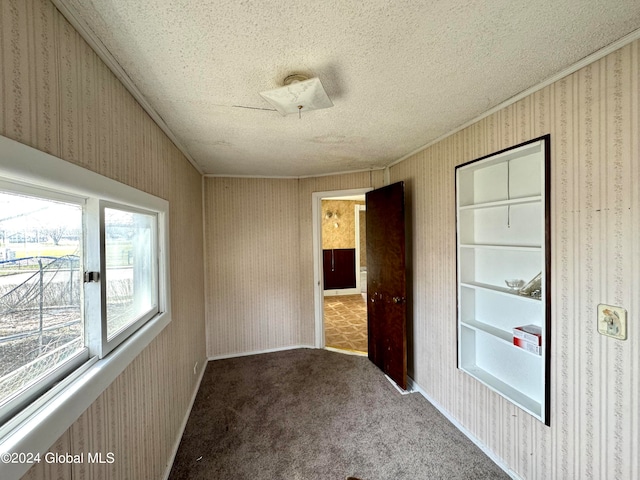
(339, 223)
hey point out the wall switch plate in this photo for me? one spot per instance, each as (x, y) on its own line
(612, 321)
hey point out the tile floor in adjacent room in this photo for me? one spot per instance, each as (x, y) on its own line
(345, 322)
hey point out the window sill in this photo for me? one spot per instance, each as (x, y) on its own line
(35, 431)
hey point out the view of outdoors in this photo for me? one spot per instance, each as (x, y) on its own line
(41, 283)
(40, 288)
(129, 236)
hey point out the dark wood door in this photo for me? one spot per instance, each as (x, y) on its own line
(386, 282)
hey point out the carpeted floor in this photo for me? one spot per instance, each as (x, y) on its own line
(345, 322)
(314, 414)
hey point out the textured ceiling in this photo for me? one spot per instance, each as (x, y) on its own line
(400, 73)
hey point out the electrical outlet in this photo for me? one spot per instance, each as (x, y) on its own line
(612, 321)
(195, 368)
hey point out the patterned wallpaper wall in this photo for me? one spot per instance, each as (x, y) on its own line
(259, 260)
(593, 118)
(252, 264)
(58, 96)
(344, 235)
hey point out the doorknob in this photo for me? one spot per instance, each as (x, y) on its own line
(398, 299)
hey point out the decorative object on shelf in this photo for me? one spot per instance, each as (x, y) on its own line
(298, 93)
(533, 288)
(529, 338)
(503, 221)
(514, 284)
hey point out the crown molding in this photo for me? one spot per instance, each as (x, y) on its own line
(293, 177)
(589, 59)
(105, 55)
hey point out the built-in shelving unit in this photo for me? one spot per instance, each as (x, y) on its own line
(503, 235)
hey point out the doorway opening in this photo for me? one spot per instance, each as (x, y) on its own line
(339, 223)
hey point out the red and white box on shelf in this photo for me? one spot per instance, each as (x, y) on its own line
(528, 346)
(529, 338)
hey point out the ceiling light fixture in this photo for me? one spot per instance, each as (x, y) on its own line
(298, 93)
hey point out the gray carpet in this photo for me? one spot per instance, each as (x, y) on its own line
(314, 414)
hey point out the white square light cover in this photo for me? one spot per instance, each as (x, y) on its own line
(308, 93)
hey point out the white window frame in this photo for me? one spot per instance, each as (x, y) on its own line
(106, 344)
(66, 367)
(42, 422)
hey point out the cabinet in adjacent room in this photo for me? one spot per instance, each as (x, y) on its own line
(503, 261)
(339, 268)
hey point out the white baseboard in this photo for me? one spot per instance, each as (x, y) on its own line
(258, 352)
(184, 423)
(398, 387)
(414, 387)
(341, 291)
(346, 352)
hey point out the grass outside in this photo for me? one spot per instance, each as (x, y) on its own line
(117, 254)
(42, 250)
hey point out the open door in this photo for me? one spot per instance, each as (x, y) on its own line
(386, 281)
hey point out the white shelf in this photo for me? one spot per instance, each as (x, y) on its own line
(502, 203)
(498, 333)
(508, 370)
(527, 403)
(501, 235)
(499, 291)
(484, 327)
(524, 248)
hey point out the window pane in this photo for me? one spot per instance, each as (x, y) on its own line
(131, 279)
(40, 289)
